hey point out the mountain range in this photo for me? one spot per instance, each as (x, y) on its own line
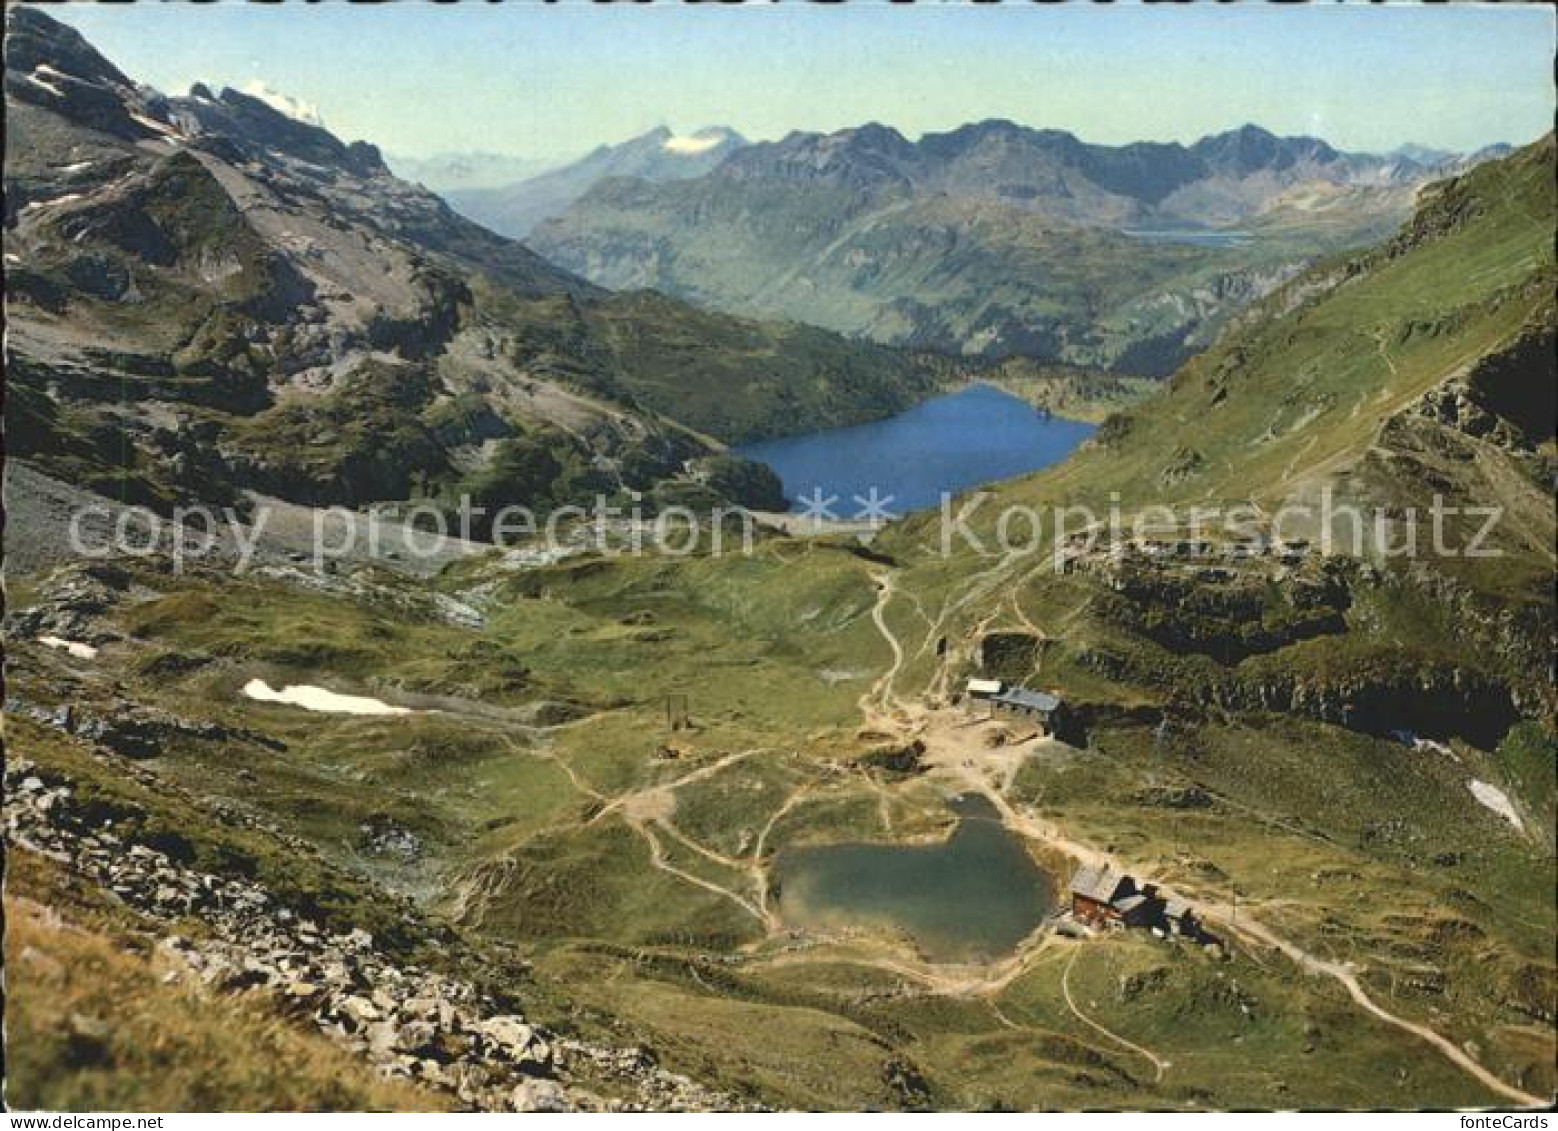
(993, 239)
(210, 295)
(658, 156)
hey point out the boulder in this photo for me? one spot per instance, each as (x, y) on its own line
(539, 1095)
(416, 1036)
(514, 1040)
(357, 1012)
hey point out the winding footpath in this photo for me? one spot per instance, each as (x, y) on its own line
(1159, 1065)
(1343, 974)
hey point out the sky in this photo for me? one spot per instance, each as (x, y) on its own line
(552, 80)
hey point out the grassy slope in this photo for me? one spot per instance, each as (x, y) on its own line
(504, 817)
(731, 378)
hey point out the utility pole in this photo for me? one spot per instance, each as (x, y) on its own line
(677, 705)
(1160, 735)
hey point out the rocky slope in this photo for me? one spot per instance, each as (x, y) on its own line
(404, 1020)
(993, 239)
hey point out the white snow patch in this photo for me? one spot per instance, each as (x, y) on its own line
(37, 80)
(76, 166)
(74, 647)
(1494, 798)
(54, 202)
(691, 146)
(154, 125)
(312, 698)
(294, 108)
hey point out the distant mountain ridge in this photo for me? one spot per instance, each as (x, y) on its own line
(1057, 174)
(993, 239)
(657, 156)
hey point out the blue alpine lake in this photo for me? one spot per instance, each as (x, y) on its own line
(970, 898)
(1197, 237)
(950, 443)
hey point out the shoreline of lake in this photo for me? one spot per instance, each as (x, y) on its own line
(951, 443)
(973, 896)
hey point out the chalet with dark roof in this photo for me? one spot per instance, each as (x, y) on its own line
(1101, 897)
(1094, 892)
(1042, 707)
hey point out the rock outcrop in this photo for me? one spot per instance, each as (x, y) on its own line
(406, 1020)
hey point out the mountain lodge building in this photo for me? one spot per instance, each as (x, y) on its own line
(1009, 699)
(1103, 898)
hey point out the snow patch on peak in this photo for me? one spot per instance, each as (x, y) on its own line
(294, 108)
(44, 75)
(693, 144)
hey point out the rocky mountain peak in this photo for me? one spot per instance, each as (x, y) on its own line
(991, 135)
(863, 158)
(1251, 149)
(702, 142)
(50, 65)
(35, 40)
(258, 128)
(874, 135)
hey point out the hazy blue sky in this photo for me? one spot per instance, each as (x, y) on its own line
(547, 80)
